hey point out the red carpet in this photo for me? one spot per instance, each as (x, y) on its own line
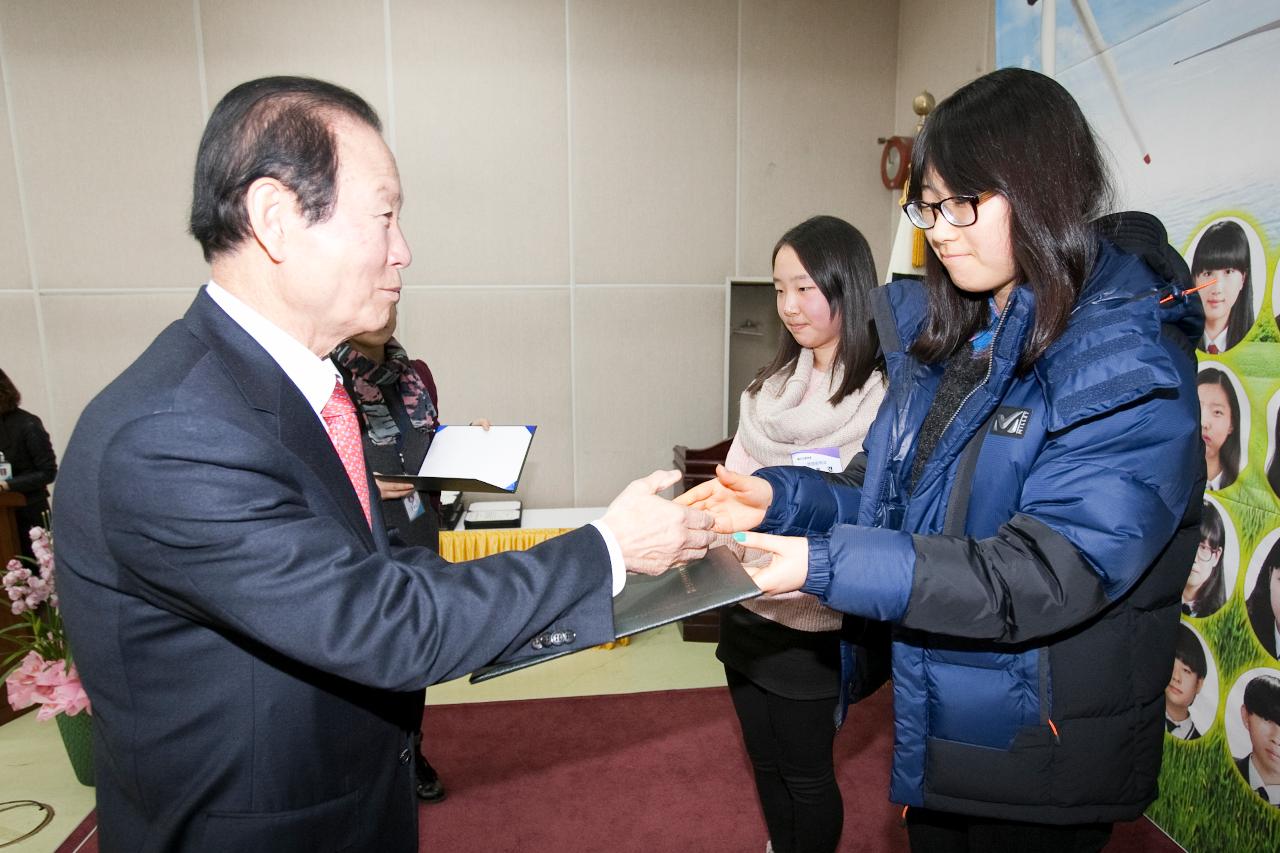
(660, 771)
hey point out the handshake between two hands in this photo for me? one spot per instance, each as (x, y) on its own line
(656, 534)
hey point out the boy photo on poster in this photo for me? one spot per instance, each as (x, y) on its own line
(1256, 749)
(1192, 693)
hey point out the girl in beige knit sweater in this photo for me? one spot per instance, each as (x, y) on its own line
(812, 405)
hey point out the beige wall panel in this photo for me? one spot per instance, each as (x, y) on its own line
(14, 272)
(342, 41)
(817, 89)
(106, 103)
(482, 140)
(649, 367)
(654, 124)
(941, 46)
(91, 338)
(501, 354)
(20, 352)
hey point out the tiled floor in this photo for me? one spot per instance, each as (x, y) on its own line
(33, 765)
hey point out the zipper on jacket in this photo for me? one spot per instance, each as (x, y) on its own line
(991, 363)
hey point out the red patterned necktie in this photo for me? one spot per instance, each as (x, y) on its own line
(344, 431)
(1212, 349)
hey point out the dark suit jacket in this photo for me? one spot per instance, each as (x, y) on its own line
(253, 651)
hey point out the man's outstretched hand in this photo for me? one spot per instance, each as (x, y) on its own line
(655, 533)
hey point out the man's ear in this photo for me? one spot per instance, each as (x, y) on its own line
(271, 208)
(1244, 716)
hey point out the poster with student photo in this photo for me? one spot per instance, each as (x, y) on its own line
(1275, 294)
(1192, 692)
(1224, 424)
(1159, 81)
(1252, 733)
(1273, 444)
(1229, 268)
(1262, 593)
(1215, 565)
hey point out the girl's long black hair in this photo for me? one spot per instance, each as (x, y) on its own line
(1021, 134)
(838, 259)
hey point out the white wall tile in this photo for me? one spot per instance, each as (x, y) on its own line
(20, 356)
(14, 272)
(482, 140)
(91, 338)
(817, 89)
(342, 41)
(654, 105)
(106, 105)
(942, 46)
(649, 365)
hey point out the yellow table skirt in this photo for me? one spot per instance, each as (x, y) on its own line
(457, 546)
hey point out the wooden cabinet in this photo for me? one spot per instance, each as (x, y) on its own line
(699, 465)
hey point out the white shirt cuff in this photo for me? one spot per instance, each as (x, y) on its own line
(615, 555)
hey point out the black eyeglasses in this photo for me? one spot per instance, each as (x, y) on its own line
(960, 210)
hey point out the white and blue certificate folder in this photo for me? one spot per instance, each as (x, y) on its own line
(472, 459)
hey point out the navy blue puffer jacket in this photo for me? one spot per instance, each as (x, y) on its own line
(1032, 575)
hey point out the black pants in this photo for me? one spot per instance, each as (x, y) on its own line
(789, 742)
(423, 771)
(943, 832)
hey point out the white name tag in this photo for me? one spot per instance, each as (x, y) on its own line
(413, 505)
(818, 458)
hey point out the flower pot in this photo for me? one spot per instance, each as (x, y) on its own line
(77, 737)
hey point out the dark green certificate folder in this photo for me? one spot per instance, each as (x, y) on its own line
(648, 602)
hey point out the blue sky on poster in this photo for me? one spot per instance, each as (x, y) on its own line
(1208, 117)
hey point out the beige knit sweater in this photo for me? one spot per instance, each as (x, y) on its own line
(793, 413)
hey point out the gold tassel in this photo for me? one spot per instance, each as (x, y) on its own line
(917, 235)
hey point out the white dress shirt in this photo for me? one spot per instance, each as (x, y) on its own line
(1180, 730)
(1256, 783)
(315, 377)
(1220, 341)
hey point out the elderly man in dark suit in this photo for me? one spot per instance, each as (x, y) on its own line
(254, 648)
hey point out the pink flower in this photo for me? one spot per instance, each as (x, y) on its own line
(22, 682)
(53, 685)
(62, 691)
(18, 608)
